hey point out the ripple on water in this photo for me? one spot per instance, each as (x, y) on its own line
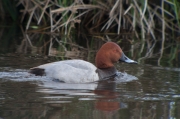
(124, 77)
(20, 75)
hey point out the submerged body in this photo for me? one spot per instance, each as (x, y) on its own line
(80, 71)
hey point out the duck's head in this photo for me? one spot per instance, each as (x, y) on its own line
(110, 53)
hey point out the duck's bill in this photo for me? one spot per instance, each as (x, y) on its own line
(124, 58)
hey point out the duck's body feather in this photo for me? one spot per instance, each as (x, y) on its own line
(65, 70)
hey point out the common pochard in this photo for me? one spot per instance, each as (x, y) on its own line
(80, 71)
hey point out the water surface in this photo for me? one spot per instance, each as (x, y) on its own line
(154, 94)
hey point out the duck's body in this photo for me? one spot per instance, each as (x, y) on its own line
(80, 71)
(65, 70)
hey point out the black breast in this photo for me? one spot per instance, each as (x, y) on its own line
(106, 73)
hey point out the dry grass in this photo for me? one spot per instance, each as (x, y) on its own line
(141, 18)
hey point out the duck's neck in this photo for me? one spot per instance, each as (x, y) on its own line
(106, 72)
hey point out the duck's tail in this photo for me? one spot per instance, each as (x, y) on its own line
(37, 71)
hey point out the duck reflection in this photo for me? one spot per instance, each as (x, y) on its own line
(100, 97)
(108, 104)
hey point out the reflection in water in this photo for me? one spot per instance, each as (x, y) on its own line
(40, 97)
(54, 45)
(106, 106)
(154, 95)
(102, 94)
(84, 47)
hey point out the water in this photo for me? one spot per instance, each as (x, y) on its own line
(153, 91)
(155, 94)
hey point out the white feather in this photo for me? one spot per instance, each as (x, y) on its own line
(71, 71)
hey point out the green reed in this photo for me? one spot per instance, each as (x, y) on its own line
(8, 8)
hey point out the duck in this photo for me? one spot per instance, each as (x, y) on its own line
(81, 71)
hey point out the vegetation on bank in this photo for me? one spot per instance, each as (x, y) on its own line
(138, 17)
(118, 20)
